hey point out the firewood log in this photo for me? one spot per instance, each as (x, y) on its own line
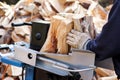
(42, 12)
(46, 10)
(32, 18)
(7, 37)
(2, 34)
(102, 72)
(56, 38)
(99, 15)
(2, 12)
(63, 29)
(47, 7)
(8, 18)
(72, 7)
(31, 8)
(96, 10)
(55, 3)
(77, 25)
(109, 78)
(62, 2)
(88, 27)
(21, 34)
(15, 38)
(1, 19)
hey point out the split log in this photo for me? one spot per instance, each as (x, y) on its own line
(57, 6)
(71, 7)
(75, 8)
(109, 78)
(62, 2)
(85, 24)
(15, 37)
(7, 37)
(56, 38)
(10, 14)
(2, 34)
(99, 15)
(21, 34)
(97, 11)
(46, 10)
(90, 28)
(77, 25)
(2, 12)
(102, 72)
(31, 8)
(47, 7)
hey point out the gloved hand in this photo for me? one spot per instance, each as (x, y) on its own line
(77, 39)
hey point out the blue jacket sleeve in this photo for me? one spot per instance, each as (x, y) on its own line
(107, 44)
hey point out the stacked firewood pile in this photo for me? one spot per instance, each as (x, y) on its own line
(70, 13)
(29, 10)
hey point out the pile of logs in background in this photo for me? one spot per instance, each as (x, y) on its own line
(71, 10)
(29, 10)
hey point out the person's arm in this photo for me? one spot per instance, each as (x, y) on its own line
(107, 44)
